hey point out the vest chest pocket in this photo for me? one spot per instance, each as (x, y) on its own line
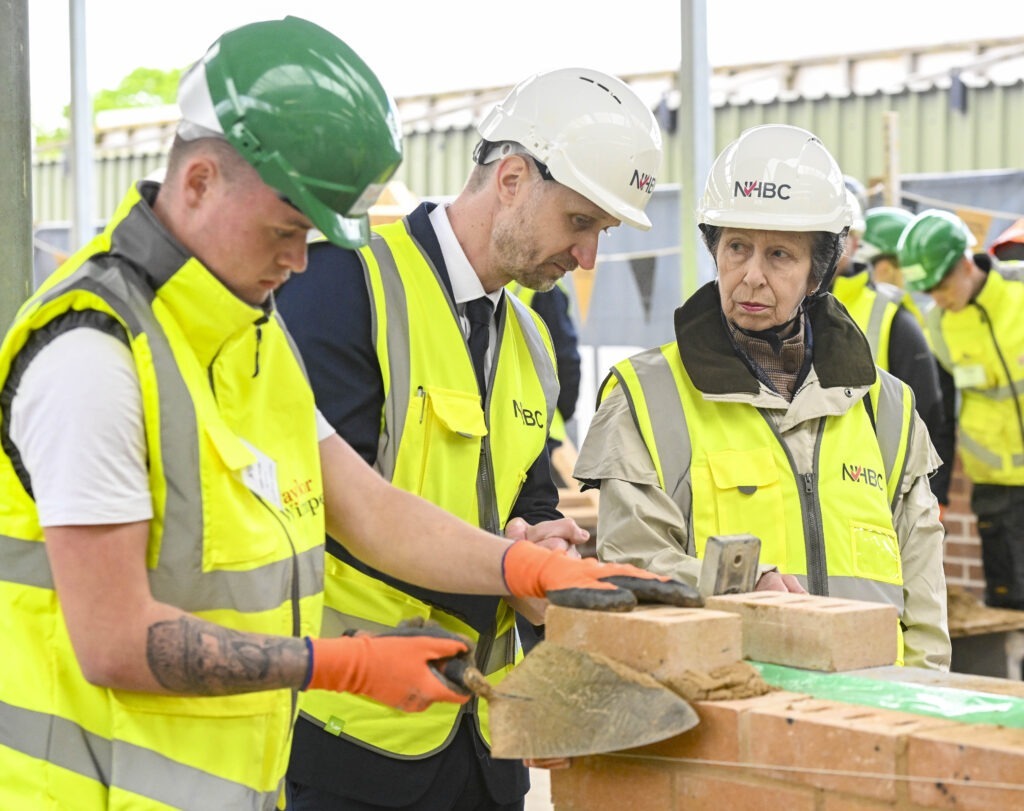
(440, 448)
(237, 530)
(743, 495)
(876, 553)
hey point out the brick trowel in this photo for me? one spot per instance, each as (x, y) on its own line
(560, 702)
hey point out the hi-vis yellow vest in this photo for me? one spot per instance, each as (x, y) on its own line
(982, 347)
(216, 548)
(525, 294)
(873, 310)
(439, 442)
(832, 528)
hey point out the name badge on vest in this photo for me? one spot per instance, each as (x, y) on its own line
(261, 477)
(969, 377)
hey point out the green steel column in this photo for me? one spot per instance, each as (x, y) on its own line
(695, 136)
(16, 166)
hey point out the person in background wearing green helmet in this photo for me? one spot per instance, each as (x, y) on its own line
(878, 245)
(897, 339)
(458, 409)
(166, 479)
(767, 415)
(977, 334)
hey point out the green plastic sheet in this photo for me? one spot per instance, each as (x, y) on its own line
(968, 706)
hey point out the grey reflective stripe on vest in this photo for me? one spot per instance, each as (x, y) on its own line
(1005, 392)
(396, 399)
(874, 328)
(933, 321)
(668, 421)
(260, 589)
(889, 428)
(854, 588)
(25, 563)
(141, 771)
(985, 456)
(538, 353)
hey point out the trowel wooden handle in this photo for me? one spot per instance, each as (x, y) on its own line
(461, 672)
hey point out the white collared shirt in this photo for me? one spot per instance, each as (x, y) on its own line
(465, 283)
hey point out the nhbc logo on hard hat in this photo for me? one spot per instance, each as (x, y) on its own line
(765, 190)
(643, 181)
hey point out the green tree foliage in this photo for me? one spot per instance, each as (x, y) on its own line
(143, 87)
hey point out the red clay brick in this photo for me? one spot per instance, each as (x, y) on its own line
(603, 782)
(848, 802)
(701, 790)
(941, 761)
(663, 641)
(962, 549)
(812, 738)
(717, 736)
(815, 633)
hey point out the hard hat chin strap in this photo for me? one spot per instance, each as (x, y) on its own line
(825, 284)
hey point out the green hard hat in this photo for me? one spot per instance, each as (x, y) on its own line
(930, 246)
(882, 228)
(306, 112)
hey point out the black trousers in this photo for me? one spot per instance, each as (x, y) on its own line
(458, 785)
(1000, 512)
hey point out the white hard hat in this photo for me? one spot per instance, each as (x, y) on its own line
(592, 132)
(857, 226)
(776, 177)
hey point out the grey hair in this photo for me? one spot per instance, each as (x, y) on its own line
(826, 248)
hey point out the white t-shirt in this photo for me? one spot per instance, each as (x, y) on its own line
(76, 419)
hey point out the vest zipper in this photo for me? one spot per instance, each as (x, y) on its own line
(263, 319)
(814, 541)
(814, 538)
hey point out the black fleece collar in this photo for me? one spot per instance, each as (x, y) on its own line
(842, 356)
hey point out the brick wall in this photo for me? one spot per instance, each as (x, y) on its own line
(789, 752)
(963, 546)
(782, 751)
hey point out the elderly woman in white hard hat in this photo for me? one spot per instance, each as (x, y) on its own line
(768, 416)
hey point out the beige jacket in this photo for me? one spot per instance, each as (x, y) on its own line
(639, 523)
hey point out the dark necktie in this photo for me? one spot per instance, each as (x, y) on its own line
(479, 313)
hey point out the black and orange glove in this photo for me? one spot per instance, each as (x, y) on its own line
(532, 571)
(392, 668)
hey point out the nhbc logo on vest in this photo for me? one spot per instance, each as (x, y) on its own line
(766, 191)
(529, 417)
(863, 475)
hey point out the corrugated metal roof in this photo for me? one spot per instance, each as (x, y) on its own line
(958, 108)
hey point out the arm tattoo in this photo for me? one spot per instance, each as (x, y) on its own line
(193, 656)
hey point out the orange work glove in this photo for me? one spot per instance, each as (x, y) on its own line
(393, 669)
(532, 571)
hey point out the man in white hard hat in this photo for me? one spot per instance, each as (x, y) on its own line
(458, 410)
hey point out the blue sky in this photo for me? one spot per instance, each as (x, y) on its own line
(418, 47)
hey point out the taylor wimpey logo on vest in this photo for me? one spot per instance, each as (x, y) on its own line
(762, 189)
(642, 181)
